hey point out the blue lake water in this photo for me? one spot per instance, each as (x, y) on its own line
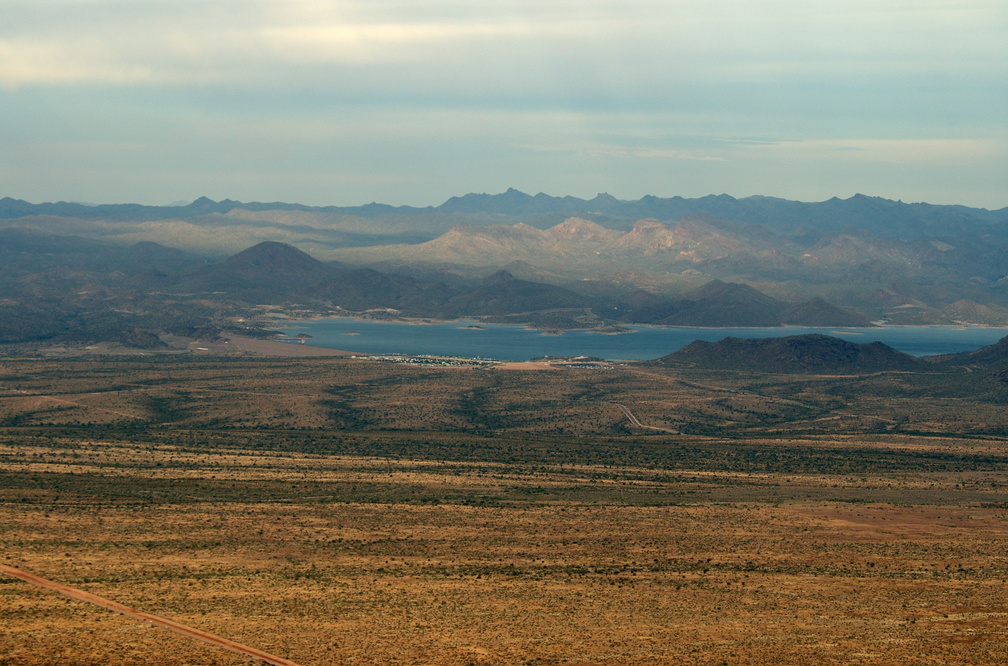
(507, 342)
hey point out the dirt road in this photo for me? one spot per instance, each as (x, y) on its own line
(634, 422)
(81, 595)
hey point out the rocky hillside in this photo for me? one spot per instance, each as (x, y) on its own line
(800, 354)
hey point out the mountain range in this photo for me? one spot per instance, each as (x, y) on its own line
(889, 218)
(553, 261)
(283, 273)
(66, 288)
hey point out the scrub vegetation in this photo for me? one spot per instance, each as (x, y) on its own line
(337, 510)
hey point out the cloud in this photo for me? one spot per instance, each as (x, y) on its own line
(632, 45)
(26, 61)
(597, 89)
(893, 151)
(618, 151)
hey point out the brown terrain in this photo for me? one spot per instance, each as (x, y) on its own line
(180, 629)
(336, 510)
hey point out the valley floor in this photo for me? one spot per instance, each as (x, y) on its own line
(496, 575)
(182, 490)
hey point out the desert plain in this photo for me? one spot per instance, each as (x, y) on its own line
(338, 510)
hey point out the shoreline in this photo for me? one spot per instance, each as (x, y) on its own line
(630, 326)
(242, 344)
(915, 340)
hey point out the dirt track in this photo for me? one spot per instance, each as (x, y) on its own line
(634, 422)
(80, 595)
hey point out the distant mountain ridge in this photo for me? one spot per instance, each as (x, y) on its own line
(887, 217)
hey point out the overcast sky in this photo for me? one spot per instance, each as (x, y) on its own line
(347, 102)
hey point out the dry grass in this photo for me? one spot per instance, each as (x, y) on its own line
(332, 511)
(351, 394)
(581, 582)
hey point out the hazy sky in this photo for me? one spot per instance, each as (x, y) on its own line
(346, 102)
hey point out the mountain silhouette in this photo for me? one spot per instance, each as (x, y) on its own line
(800, 354)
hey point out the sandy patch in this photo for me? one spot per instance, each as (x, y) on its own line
(525, 365)
(237, 343)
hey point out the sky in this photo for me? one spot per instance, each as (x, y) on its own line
(348, 102)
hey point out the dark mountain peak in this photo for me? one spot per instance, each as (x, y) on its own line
(719, 198)
(715, 285)
(480, 203)
(156, 250)
(719, 289)
(513, 203)
(147, 256)
(206, 205)
(265, 270)
(1000, 347)
(720, 303)
(272, 253)
(500, 277)
(812, 353)
(148, 246)
(502, 294)
(201, 205)
(366, 288)
(716, 303)
(862, 201)
(819, 312)
(11, 208)
(991, 356)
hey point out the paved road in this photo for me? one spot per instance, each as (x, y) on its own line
(140, 615)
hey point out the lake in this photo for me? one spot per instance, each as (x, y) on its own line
(507, 342)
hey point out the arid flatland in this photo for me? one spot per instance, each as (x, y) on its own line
(343, 511)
